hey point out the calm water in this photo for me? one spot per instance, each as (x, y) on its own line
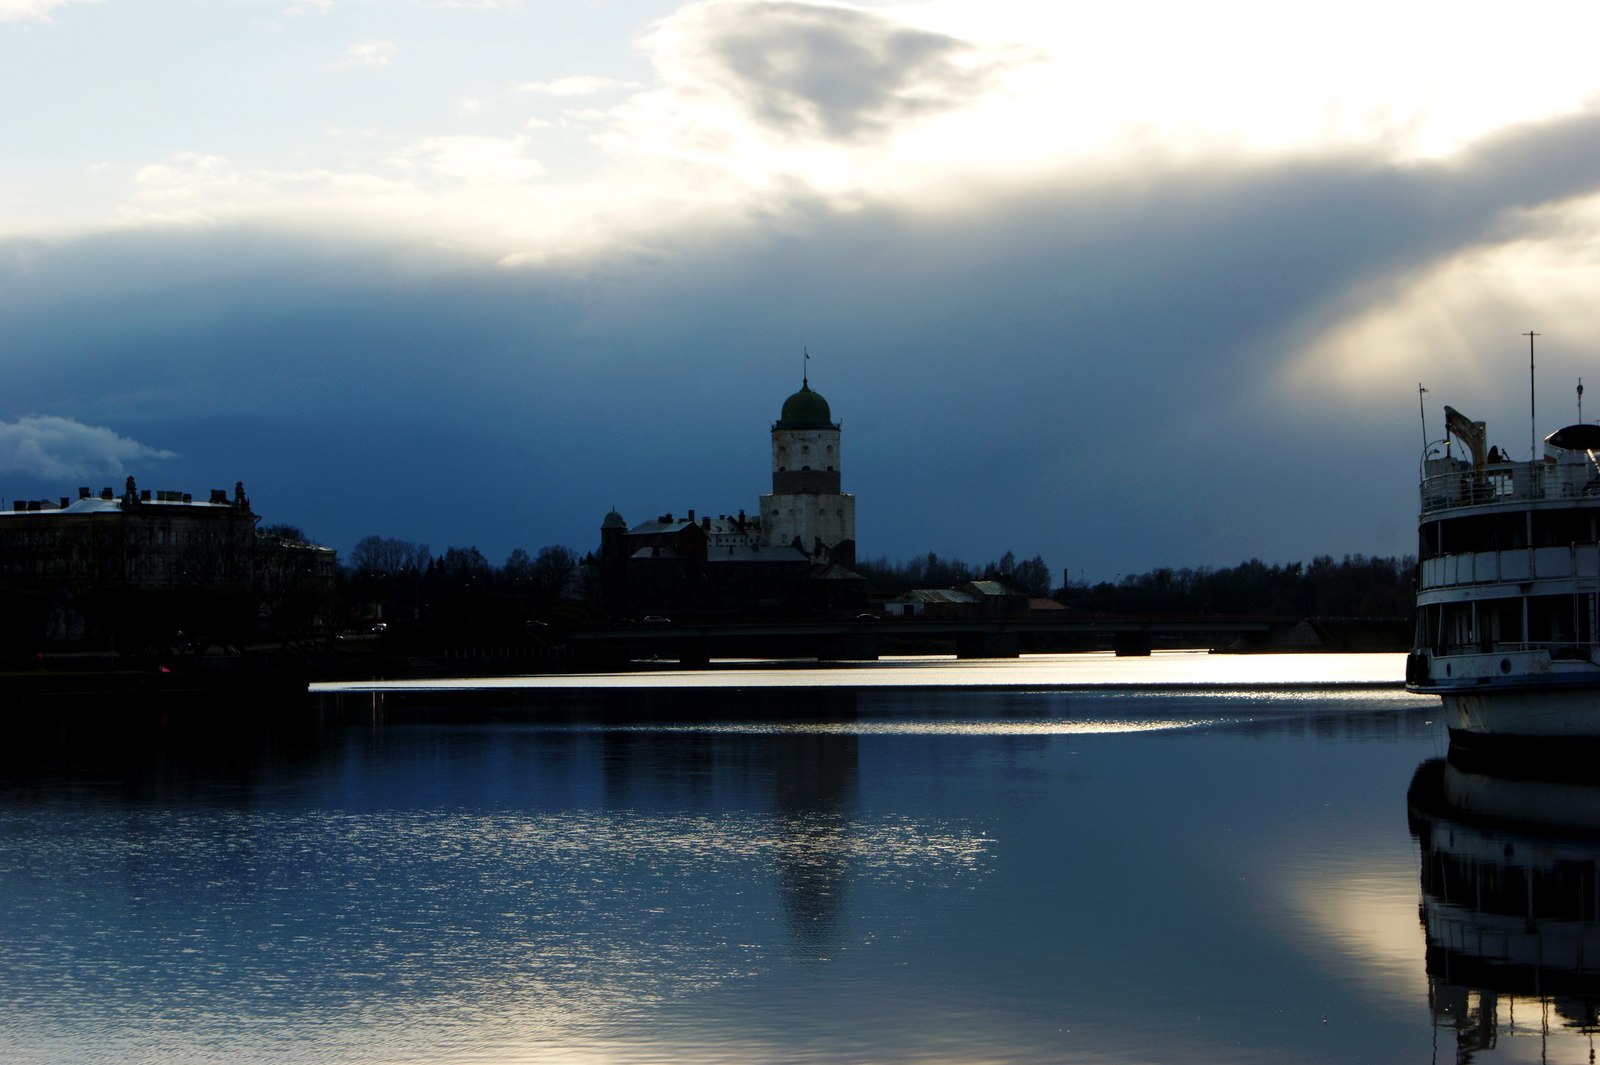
(1196, 868)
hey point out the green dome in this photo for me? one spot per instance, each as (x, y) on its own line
(805, 410)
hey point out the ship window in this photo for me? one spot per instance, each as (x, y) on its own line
(1552, 622)
(1558, 528)
(1482, 532)
(1428, 540)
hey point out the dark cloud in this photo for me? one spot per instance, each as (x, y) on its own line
(843, 75)
(1085, 371)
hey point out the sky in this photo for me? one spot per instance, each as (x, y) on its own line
(1125, 286)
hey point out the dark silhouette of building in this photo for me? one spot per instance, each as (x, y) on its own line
(793, 555)
(62, 561)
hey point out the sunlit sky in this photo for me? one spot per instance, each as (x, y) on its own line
(1125, 285)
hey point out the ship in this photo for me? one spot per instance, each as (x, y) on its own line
(1508, 574)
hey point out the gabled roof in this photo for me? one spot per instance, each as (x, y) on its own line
(754, 553)
(935, 595)
(991, 588)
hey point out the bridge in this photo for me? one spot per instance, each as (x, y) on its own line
(696, 642)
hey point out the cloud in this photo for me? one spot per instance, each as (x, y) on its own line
(1100, 370)
(577, 85)
(807, 71)
(477, 160)
(54, 447)
(365, 54)
(30, 10)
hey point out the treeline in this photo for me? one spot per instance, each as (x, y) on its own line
(460, 597)
(890, 579)
(1357, 586)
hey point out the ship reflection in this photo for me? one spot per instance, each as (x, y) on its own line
(1509, 907)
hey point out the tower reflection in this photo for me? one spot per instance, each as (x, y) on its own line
(1510, 906)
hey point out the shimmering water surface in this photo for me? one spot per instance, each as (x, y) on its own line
(1185, 858)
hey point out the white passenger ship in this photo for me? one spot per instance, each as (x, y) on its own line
(1508, 574)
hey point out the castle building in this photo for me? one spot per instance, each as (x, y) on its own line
(806, 508)
(793, 554)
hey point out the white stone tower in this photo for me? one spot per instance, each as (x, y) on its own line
(806, 508)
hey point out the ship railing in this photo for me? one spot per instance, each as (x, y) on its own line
(1557, 649)
(1507, 482)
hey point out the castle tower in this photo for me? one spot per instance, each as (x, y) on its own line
(806, 507)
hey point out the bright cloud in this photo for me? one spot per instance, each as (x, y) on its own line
(478, 160)
(1454, 322)
(30, 10)
(52, 447)
(366, 54)
(578, 85)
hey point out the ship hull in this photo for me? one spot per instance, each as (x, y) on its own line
(1569, 712)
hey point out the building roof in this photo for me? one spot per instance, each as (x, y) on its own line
(101, 505)
(755, 553)
(719, 526)
(991, 588)
(935, 595)
(805, 410)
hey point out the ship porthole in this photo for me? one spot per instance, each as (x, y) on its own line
(1505, 665)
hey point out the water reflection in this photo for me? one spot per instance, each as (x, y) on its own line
(719, 877)
(1510, 907)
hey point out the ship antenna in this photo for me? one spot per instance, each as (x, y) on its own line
(1533, 421)
(1423, 414)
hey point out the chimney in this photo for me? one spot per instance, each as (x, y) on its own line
(64, 502)
(691, 515)
(105, 493)
(83, 493)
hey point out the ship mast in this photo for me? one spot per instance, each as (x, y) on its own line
(1423, 414)
(1533, 421)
